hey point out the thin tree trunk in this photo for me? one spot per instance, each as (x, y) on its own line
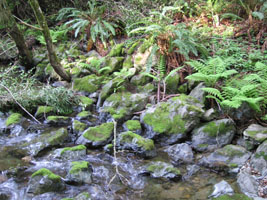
(50, 47)
(8, 22)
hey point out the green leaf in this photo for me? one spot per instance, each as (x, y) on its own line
(259, 15)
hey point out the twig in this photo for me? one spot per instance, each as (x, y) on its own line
(7, 50)
(26, 24)
(121, 177)
(20, 104)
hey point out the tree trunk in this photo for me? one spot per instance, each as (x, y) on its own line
(8, 22)
(50, 47)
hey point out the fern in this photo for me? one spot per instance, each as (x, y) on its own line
(215, 93)
(162, 66)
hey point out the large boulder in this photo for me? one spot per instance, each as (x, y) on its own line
(170, 121)
(255, 133)
(198, 93)
(121, 106)
(138, 144)
(88, 84)
(133, 126)
(43, 181)
(97, 136)
(229, 158)
(180, 153)
(213, 135)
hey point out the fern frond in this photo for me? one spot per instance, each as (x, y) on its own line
(231, 104)
(162, 65)
(198, 66)
(214, 92)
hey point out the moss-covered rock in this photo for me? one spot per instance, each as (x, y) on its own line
(147, 89)
(226, 158)
(127, 63)
(256, 133)
(163, 170)
(133, 125)
(169, 121)
(50, 182)
(182, 89)
(44, 111)
(57, 120)
(117, 50)
(78, 126)
(259, 159)
(73, 152)
(83, 114)
(213, 135)
(122, 105)
(14, 118)
(233, 197)
(142, 146)
(140, 80)
(86, 102)
(88, 84)
(83, 196)
(80, 172)
(172, 83)
(112, 64)
(97, 136)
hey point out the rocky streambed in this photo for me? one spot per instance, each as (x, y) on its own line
(171, 150)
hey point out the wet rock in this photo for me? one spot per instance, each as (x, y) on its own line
(142, 146)
(58, 120)
(74, 152)
(198, 93)
(191, 170)
(221, 188)
(247, 183)
(83, 196)
(88, 84)
(45, 140)
(80, 172)
(122, 105)
(213, 135)
(259, 159)
(133, 125)
(97, 136)
(86, 103)
(255, 133)
(230, 157)
(44, 111)
(43, 181)
(78, 127)
(168, 122)
(180, 153)
(5, 194)
(163, 170)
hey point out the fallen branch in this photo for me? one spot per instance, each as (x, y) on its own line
(121, 177)
(20, 104)
(26, 24)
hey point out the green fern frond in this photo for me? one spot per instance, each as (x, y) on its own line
(214, 92)
(198, 66)
(231, 103)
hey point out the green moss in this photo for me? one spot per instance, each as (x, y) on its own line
(258, 135)
(161, 121)
(67, 199)
(78, 166)
(133, 47)
(48, 173)
(127, 63)
(43, 109)
(158, 167)
(173, 170)
(86, 102)
(109, 146)
(87, 84)
(83, 195)
(99, 133)
(75, 148)
(144, 143)
(233, 197)
(84, 114)
(231, 150)
(261, 154)
(117, 50)
(79, 126)
(213, 129)
(133, 125)
(203, 145)
(14, 118)
(56, 118)
(59, 136)
(233, 165)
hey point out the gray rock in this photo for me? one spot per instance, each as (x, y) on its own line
(5, 194)
(227, 158)
(168, 122)
(213, 135)
(140, 80)
(198, 93)
(221, 188)
(209, 115)
(180, 153)
(142, 146)
(163, 170)
(191, 170)
(256, 133)
(259, 159)
(80, 172)
(247, 183)
(71, 153)
(44, 181)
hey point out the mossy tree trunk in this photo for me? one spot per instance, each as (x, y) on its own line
(50, 47)
(8, 22)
